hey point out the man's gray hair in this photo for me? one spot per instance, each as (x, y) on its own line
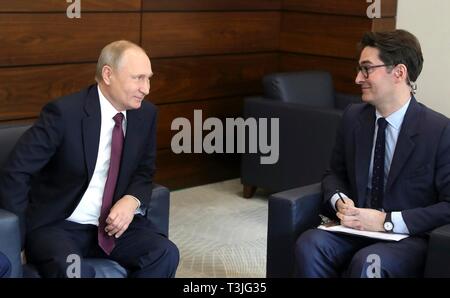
(111, 55)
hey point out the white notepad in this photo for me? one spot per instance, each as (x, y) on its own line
(375, 235)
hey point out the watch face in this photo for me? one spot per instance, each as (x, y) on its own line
(388, 226)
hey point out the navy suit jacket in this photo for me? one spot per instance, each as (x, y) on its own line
(53, 162)
(419, 178)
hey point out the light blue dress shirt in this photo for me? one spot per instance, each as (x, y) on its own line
(395, 121)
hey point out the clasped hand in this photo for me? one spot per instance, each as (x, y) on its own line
(363, 219)
(120, 216)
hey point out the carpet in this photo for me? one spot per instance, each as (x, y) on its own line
(218, 232)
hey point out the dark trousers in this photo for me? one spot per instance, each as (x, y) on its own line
(325, 254)
(5, 266)
(140, 250)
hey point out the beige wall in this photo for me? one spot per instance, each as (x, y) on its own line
(429, 21)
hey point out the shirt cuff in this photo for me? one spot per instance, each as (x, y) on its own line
(139, 202)
(399, 224)
(138, 209)
(334, 199)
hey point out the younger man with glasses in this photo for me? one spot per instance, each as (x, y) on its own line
(391, 163)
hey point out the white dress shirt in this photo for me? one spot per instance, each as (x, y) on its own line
(395, 121)
(88, 210)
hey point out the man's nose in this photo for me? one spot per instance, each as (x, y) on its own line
(145, 87)
(359, 78)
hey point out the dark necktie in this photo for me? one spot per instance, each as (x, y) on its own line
(378, 166)
(107, 242)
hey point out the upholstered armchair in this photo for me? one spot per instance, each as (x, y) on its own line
(309, 112)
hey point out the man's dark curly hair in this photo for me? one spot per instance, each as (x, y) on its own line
(396, 47)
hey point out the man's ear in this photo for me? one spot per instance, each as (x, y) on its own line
(401, 72)
(106, 74)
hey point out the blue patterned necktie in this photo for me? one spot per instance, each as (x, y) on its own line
(378, 166)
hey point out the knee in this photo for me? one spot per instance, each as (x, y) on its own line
(61, 267)
(308, 242)
(365, 264)
(172, 253)
(56, 267)
(168, 260)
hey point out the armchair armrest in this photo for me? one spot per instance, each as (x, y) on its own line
(438, 258)
(10, 241)
(158, 209)
(291, 213)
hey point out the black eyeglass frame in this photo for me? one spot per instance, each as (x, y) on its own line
(364, 69)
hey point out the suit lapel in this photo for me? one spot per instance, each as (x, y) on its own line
(132, 137)
(405, 144)
(91, 129)
(363, 140)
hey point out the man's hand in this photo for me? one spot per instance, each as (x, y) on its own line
(120, 216)
(340, 206)
(363, 219)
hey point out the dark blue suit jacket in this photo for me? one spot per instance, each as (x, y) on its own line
(53, 162)
(419, 178)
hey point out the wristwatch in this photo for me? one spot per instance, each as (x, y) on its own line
(388, 225)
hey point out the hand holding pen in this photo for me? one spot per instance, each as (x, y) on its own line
(347, 203)
(340, 196)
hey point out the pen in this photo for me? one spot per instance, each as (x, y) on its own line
(340, 197)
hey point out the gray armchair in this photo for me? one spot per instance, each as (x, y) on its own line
(309, 112)
(157, 213)
(294, 211)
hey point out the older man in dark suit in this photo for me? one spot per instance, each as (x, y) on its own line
(81, 177)
(391, 166)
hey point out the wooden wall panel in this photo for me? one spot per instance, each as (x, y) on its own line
(385, 24)
(342, 70)
(205, 5)
(188, 78)
(24, 90)
(206, 54)
(185, 170)
(221, 108)
(340, 7)
(205, 33)
(61, 5)
(322, 34)
(53, 38)
(196, 78)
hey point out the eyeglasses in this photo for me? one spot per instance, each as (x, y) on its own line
(365, 70)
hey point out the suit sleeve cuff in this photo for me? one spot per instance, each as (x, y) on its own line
(139, 202)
